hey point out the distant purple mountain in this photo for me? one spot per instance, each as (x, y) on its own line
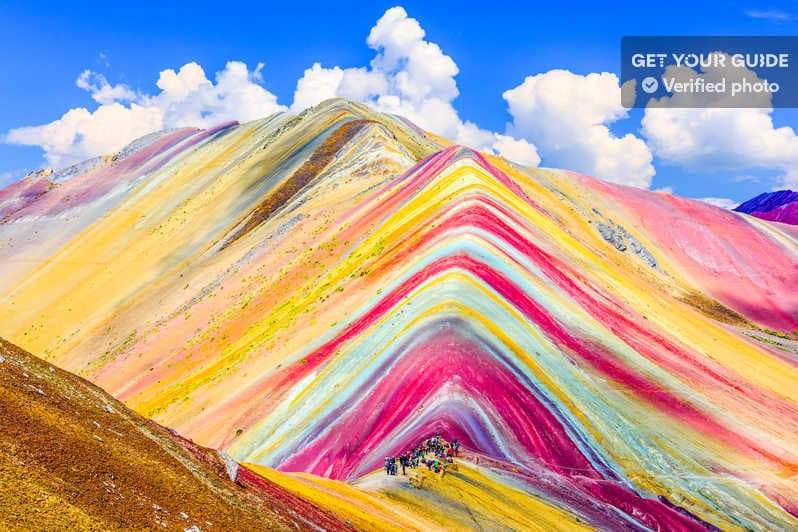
(767, 201)
(781, 206)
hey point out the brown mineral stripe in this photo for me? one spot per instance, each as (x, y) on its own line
(320, 159)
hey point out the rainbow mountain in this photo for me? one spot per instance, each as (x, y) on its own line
(311, 293)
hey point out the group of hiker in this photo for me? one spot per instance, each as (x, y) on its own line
(433, 452)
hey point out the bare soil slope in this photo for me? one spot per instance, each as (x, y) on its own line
(72, 457)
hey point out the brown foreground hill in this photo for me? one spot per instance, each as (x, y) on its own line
(73, 457)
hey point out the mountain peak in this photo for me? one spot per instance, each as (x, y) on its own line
(316, 292)
(778, 206)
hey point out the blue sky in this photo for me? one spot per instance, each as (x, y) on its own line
(494, 45)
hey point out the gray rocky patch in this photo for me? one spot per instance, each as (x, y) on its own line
(611, 235)
(230, 465)
(621, 239)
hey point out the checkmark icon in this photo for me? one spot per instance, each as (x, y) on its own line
(650, 85)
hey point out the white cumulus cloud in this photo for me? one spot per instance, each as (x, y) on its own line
(567, 115)
(723, 203)
(80, 134)
(412, 77)
(518, 150)
(186, 98)
(716, 138)
(103, 92)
